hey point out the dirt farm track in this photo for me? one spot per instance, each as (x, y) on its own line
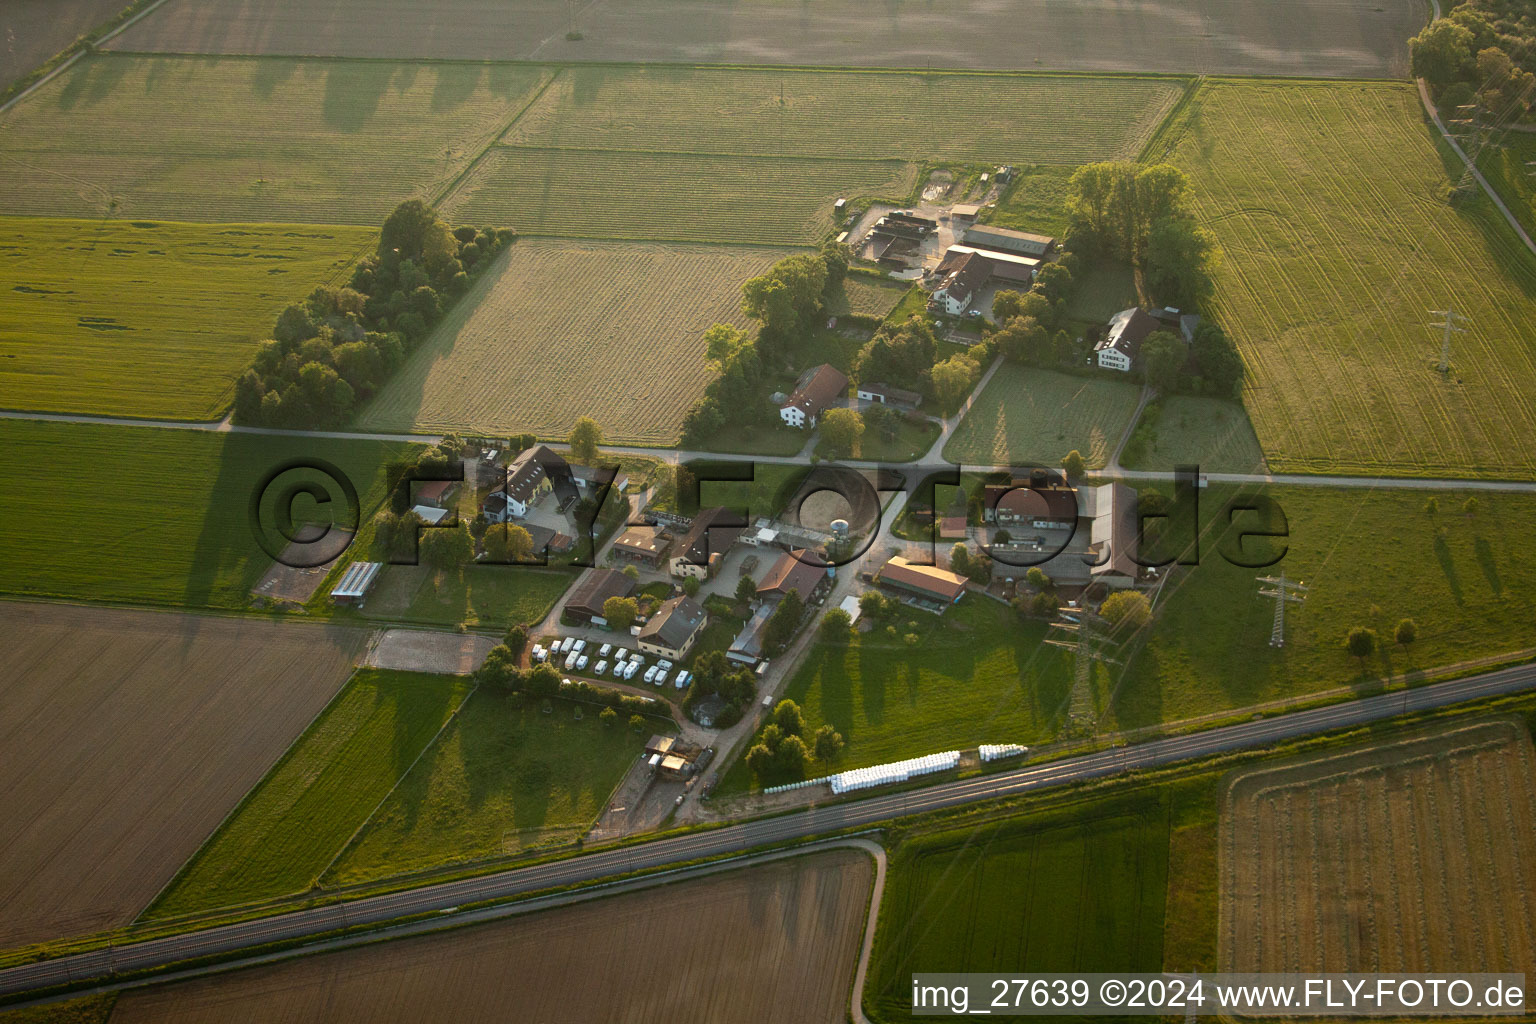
(128, 736)
(773, 943)
(1353, 38)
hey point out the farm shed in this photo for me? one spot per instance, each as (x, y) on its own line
(646, 544)
(793, 571)
(928, 582)
(1006, 239)
(430, 514)
(596, 587)
(435, 492)
(747, 648)
(353, 586)
(886, 394)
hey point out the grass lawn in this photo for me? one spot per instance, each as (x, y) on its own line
(480, 595)
(1100, 291)
(137, 318)
(1184, 430)
(1026, 415)
(910, 441)
(867, 296)
(161, 137)
(1370, 558)
(1078, 889)
(975, 675)
(1507, 168)
(1330, 257)
(302, 814)
(151, 516)
(1036, 200)
(505, 777)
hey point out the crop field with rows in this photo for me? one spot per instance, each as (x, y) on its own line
(250, 139)
(1332, 258)
(1017, 118)
(139, 318)
(1397, 857)
(564, 329)
(621, 194)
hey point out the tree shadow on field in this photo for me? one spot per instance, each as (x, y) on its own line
(270, 73)
(353, 90)
(455, 85)
(1485, 559)
(1448, 567)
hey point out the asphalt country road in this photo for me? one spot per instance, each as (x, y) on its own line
(446, 897)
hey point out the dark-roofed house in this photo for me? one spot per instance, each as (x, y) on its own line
(928, 582)
(967, 275)
(712, 533)
(1048, 507)
(597, 586)
(816, 389)
(793, 571)
(1006, 239)
(534, 471)
(1121, 343)
(886, 394)
(671, 632)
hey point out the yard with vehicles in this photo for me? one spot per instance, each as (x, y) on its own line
(759, 200)
(865, 115)
(563, 329)
(240, 139)
(176, 529)
(505, 778)
(1440, 858)
(1028, 416)
(591, 961)
(145, 318)
(131, 734)
(1318, 38)
(1329, 293)
(293, 824)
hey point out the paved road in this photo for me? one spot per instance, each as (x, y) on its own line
(734, 839)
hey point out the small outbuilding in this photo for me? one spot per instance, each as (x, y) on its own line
(352, 589)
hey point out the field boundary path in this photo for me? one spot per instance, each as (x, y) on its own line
(1434, 115)
(1113, 465)
(930, 461)
(445, 898)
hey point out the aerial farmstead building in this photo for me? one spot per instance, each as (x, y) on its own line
(671, 632)
(817, 389)
(927, 582)
(713, 532)
(1121, 344)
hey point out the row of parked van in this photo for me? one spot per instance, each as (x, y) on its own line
(572, 654)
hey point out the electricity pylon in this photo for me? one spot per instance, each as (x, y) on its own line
(1450, 323)
(1280, 590)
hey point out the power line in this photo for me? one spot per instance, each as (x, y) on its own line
(1281, 590)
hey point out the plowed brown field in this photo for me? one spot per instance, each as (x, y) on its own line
(1412, 856)
(128, 736)
(771, 943)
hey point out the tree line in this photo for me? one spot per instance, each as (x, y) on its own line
(335, 349)
(1483, 52)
